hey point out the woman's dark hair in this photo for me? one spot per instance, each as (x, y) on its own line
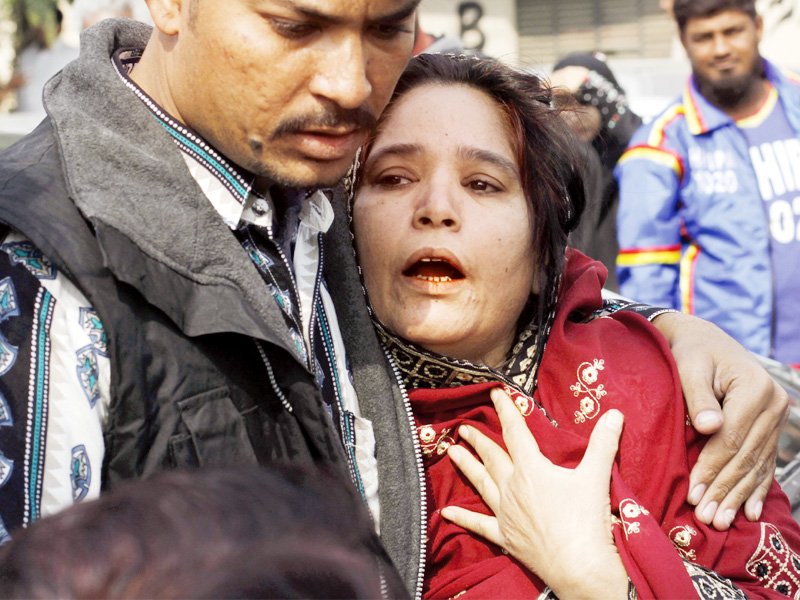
(549, 157)
(683, 10)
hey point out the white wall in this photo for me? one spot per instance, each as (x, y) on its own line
(781, 41)
(498, 24)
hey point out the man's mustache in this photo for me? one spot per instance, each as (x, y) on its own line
(334, 117)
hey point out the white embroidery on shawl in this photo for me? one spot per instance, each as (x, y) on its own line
(434, 443)
(588, 374)
(681, 536)
(629, 510)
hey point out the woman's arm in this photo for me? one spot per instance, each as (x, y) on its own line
(548, 517)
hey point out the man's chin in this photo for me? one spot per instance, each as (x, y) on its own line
(304, 173)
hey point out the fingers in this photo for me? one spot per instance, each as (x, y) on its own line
(755, 503)
(518, 438)
(745, 477)
(602, 447)
(703, 406)
(477, 475)
(738, 461)
(485, 526)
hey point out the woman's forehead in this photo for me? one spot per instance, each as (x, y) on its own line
(446, 115)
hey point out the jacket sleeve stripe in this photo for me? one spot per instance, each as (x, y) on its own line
(688, 263)
(656, 155)
(657, 131)
(791, 75)
(656, 255)
(694, 118)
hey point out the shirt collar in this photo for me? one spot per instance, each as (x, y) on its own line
(227, 186)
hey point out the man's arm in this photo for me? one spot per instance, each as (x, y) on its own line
(648, 226)
(53, 389)
(737, 464)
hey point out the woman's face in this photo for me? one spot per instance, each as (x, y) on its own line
(443, 227)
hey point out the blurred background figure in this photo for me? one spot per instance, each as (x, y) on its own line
(709, 216)
(603, 118)
(241, 533)
(40, 58)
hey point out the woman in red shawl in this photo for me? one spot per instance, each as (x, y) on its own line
(465, 200)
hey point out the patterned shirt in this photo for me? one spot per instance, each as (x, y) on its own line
(53, 356)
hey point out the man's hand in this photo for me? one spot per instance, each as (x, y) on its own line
(738, 463)
(548, 517)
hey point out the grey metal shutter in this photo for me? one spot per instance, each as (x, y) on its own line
(549, 29)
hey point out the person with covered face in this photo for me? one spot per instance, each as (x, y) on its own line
(709, 220)
(499, 335)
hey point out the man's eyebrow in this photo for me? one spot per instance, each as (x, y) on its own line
(482, 155)
(393, 150)
(398, 14)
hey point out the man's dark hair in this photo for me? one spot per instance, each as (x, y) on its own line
(683, 10)
(246, 533)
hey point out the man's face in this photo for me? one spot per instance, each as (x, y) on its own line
(723, 50)
(288, 88)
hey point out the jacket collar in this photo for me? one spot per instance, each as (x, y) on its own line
(702, 116)
(157, 230)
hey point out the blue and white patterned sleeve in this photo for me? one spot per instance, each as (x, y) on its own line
(54, 388)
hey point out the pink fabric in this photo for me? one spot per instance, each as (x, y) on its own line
(611, 362)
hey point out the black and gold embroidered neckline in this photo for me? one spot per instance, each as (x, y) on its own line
(420, 368)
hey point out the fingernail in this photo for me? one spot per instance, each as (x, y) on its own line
(463, 431)
(454, 452)
(614, 420)
(708, 512)
(697, 494)
(728, 516)
(757, 511)
(708, 418)
(446, 513)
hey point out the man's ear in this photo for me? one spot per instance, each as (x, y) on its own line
(166, 15)
(759, 27)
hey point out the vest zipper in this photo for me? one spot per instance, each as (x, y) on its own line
(309, 351)
(346, 425)
(271, 374)
(423, 500)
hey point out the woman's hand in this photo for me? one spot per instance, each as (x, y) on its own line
(738, 462)
(548, 517)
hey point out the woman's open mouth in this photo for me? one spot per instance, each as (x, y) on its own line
(434, 270)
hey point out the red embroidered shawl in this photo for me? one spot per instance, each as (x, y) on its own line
(621, 362)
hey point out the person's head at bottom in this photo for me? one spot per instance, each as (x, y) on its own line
(465, 199)
(237, 533)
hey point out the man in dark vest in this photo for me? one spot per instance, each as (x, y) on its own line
(178, 287)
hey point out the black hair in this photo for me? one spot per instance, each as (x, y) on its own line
(684, 10)
(211, 533)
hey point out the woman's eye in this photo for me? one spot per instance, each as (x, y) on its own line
(392, 180)
(481, 185)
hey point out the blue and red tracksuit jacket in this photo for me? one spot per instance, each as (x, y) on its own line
(692, 228)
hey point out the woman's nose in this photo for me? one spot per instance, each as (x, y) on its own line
(437, 207)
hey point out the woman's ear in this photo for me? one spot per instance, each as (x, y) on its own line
(167, 15)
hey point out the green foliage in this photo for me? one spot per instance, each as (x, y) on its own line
(37, 21)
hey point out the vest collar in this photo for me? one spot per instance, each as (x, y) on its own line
(156, 229)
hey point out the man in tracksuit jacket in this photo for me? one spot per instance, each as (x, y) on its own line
(709, 219)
